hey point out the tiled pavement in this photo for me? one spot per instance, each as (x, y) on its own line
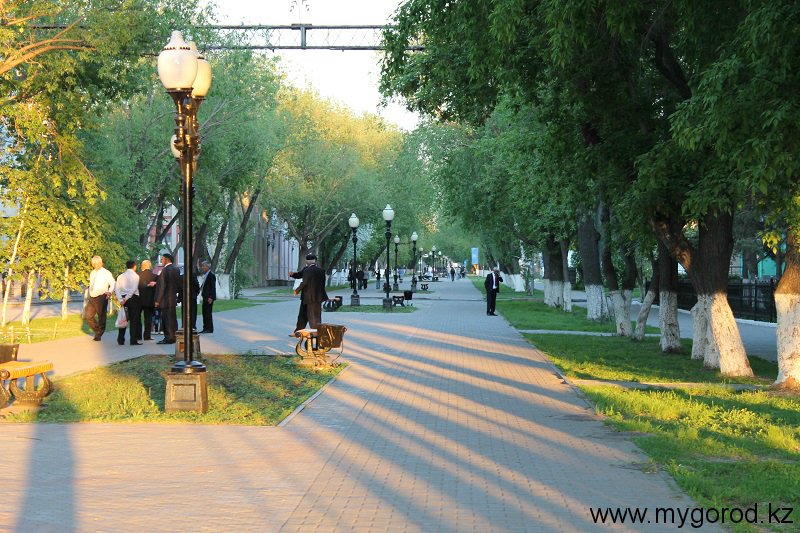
(446, 420)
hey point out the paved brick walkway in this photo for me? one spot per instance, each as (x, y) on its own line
(446, 420)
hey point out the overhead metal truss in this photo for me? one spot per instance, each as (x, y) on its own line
(299, 37)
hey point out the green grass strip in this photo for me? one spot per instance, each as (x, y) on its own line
(242, 389)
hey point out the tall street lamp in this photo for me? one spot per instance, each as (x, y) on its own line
(388, 216)
(355, 300)
(441, 264)
(186, 76)
(396, 242)
(414, 238)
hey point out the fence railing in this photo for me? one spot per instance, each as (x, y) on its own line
(750, 299)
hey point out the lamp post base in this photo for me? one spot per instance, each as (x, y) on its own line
(186, 392)
(395, 286)
(355, 300)
(387, 304)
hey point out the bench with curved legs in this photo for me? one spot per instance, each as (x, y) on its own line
(12, 370)
(314, 344)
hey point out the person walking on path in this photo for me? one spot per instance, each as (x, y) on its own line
(167, 287)
(452, 274)
(208, 293)
(492, 285)
(147, 297)
(127, 290)
(312, 294)
(101, 285)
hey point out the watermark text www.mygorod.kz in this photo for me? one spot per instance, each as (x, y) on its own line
(694, 517)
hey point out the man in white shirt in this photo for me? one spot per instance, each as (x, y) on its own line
(101, 284)
(492, 285)
(127, 290)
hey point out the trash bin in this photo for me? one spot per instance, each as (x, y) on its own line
(407, 295)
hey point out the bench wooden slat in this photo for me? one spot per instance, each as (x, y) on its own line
(21, 369)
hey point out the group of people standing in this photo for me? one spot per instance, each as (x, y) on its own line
(144, 295)
(357, 279)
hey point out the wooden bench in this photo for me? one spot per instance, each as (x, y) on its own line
(11, 370)
(333, 304)
(398, 300)
(314, 344)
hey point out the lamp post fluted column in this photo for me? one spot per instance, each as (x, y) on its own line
(414, 262)
(395, 286)
(355, 299)
(388, 216)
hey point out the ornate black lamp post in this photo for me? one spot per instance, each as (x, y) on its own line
(388, 216)
(433, 263)
(355, 299)
(414, 238)
(187, 78)
(396, 242)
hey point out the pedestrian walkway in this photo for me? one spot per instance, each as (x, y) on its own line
(445, 420)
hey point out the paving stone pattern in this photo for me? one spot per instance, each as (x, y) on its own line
(446, 420)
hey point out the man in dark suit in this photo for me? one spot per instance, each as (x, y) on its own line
(208, 293)
(312, 293)
(167, 288)
(147, 296)
(492, 285)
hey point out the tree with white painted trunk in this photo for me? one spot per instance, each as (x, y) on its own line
(647, 304)
(668, 301)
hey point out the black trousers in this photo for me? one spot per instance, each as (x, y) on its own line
(134, 321)
(314, 313)
(147, 312)
(169, 322)
(208, 319)
(97, 306)
(491, 299)
(302, 317)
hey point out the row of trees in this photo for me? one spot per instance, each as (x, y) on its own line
(87, 167)
(627, 129)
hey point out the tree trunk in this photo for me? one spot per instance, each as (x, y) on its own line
(242, 233)
(13, 259)
(567, 294)
(707, 265)
(620, 296)
(65, 297)
(647, 304)
(787, 303)
(29, 288)
(588, 245)
(554, 274)
(223, 231)
(668, 301)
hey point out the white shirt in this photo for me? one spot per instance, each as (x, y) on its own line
(100, 282)
(494, 280)
(127, 285)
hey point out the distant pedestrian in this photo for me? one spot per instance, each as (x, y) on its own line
(208, 295)
(127, 290)
(101, 285)
(167, 287)
(360, 282)
(147, 297)
(492, 285)
(452, 274)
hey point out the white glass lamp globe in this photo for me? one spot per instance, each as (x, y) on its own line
(177, 64)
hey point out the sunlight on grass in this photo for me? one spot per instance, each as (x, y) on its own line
(723, 447)
(242, 389)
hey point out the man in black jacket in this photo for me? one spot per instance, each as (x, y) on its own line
(167, 288)
(147, 297)
(492, 286)
(312, 294)
(208, 293)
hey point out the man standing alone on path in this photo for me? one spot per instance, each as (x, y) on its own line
(101, 284)
(127, 290)
(312, 294)
(169, 283)
(492, 285)
(147, 296)
(208, 292)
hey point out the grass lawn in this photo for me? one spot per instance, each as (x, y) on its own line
(620, 358)
(537, 315)
(724, 448)
(242, 389)
(50, 328)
